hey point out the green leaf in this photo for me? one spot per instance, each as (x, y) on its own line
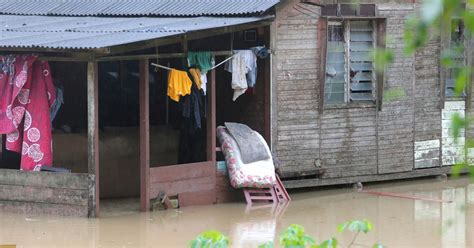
(266, 245)
(381, 58)
(210, 239)
(458, 123)
(462, 76)
(378, 246)
(341, 227)
(457, 168)
(330, 243)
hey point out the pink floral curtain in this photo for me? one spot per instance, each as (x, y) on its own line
(26, 95)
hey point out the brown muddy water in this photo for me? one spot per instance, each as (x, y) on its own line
(398, 222)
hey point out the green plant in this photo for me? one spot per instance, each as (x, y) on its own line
(356, 226)
(210, 239)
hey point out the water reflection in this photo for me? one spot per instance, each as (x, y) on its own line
(398, 222)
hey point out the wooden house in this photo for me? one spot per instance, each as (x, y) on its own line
(330, 121)
(318, 100)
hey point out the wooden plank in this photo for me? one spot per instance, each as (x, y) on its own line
(26, 193)
(182, 186)
(303, 183)
(211, 118)
(204, 197)
(144, 96)
(34, 208)
(322, 42)
(44, 179)
(181, 172)
(93, 132)
(267, 99)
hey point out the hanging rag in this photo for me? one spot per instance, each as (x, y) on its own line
(179, 84)
(59, 100)
(202, 60)
(196, 75)
(204, 83)
(243, 67)
(27, 94)
(261, 51)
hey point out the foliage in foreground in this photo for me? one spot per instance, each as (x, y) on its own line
(293, 237)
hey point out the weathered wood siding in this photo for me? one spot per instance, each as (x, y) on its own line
(353, 141)
(46, 193)
(452, 146)
(427, 97)
(396, 119)
(296, 95)
(195, 184)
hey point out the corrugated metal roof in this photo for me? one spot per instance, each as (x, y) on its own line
(135, 7)
(99, 32)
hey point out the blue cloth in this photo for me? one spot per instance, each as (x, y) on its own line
(59, 101)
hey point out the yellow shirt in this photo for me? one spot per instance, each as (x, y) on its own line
(179, 84)
(196, 73)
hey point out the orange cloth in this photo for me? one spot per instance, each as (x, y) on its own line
(196, 73)
(179, 84)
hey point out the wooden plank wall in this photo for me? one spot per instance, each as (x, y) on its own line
(396, 119)
(193, 183)
(428, 103)
(64, 194)
(347, 142)
(296, 118)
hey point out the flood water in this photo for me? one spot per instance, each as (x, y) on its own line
(398, 222)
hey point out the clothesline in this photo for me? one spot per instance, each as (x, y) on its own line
(212, 68)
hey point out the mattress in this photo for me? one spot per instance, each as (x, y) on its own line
(260, 174)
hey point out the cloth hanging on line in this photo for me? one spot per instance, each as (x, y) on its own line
(192, 141)
(243, 67)
(179, 84)
(27, 94)
(196, 75)
(202, 60)
(204, 83)
(59, 100)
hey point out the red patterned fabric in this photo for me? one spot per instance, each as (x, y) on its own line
(27, 93)
(260, 174)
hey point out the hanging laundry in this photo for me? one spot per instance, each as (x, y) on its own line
(204, 82)
(27, 94)
(192, 140)
(59, 99)
(243, 67)
(202, 60)
(179, 84)
(196, 76)
(261, 51)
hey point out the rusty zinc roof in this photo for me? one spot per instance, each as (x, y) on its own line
(135, 7)
(58, 32)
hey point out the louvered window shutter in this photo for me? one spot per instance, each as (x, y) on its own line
(362, 75)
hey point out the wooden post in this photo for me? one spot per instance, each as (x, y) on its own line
(211, 118)
(144, 136)
(267, 102)
(93, 134)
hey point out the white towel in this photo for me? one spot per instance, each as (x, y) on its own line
(239, 66)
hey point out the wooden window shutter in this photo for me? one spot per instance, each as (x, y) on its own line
(362, 72)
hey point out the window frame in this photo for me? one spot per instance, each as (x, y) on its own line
(379, 42)
(446, 44)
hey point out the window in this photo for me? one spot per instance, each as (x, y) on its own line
(350, 74)
(456, 48)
